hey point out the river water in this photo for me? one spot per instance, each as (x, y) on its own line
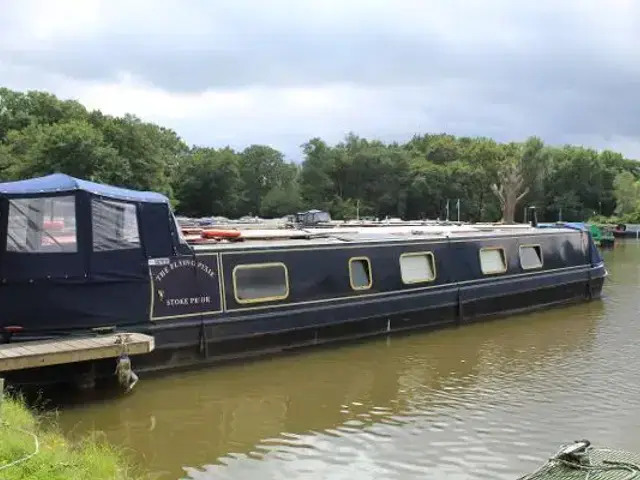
(487, 401)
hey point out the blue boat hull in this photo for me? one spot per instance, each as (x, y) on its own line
(210, 323)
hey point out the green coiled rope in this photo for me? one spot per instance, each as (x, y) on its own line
(577, 457)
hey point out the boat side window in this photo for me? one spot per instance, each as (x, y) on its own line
(417, 267)
(260, 282)
(530, 257)
(360, 273)
(493, 260)
(115, 225)
(42, 225)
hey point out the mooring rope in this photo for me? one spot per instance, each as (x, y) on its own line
(607, 466)
(36, 449)
(561, 458)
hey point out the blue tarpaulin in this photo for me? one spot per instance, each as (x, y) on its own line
(59, 183)
(573, 225)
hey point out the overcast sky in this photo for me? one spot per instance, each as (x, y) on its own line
(279, 72)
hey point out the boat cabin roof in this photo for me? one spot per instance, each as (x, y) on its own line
(339, 236)
(99, 236)
(60, 183)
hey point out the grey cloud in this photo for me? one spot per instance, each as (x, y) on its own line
(277, 61)
(241, 45)
(512, 69)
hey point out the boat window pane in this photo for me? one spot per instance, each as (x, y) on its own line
(493, 260)
(530, 257)
(417, 267)
(42, 225)
(115, 225)
(360, 273)
(261, 283)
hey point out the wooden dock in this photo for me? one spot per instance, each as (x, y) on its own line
(21, 355)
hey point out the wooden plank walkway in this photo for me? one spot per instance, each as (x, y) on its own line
(18, 356)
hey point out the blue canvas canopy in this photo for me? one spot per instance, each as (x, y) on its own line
(60, 183)
(69, 247)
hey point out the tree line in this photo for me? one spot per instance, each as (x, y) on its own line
(41, 134)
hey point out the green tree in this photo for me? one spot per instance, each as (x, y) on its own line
(262, 169)
(317, 186)
(152, 152)
(521, 168)
(510, 187)
(20, 110)
(74, 147)
(281, 201)
(626, 193)
(41, 134)
(208, 182)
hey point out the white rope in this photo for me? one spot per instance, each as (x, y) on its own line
(36, 450)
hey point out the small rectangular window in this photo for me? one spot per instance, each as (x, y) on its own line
(530, 257)
(266, 282)
(493, 260)
(360, 273)
(115, 225)
(42, 225)
(417, 267)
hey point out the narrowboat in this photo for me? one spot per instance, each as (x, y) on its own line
(627, 230)
(607, 238)
(78, 257)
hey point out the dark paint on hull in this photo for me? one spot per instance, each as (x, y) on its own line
(191, 345)
(173, 358)
(626, 234)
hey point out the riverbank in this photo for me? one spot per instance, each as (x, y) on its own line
(49, 455)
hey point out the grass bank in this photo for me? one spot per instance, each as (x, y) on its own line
(57, 459)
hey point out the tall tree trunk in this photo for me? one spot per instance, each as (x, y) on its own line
(510, 192)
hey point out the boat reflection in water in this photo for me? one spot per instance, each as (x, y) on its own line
(409, 404)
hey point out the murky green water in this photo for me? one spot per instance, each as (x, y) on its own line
(488, 401)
